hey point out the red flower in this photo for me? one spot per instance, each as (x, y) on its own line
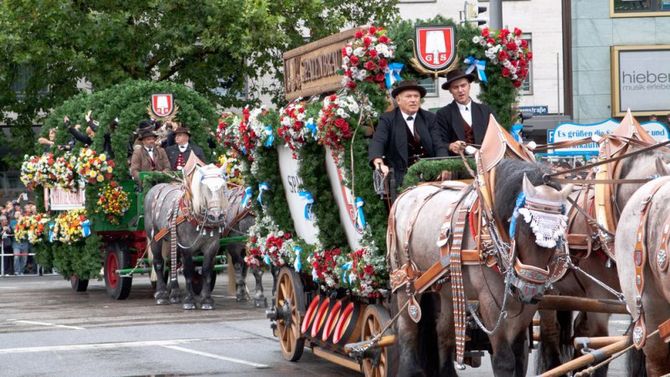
(369, 270)
(383, 63)
(351, 85)
(485, 32)
(517, 32)
(383, 39)
(503, 55)
(529, 55)
(367, 41)
(359, 34)
(344, 51)
(511, 46)
(380, 77)
(503, 34)
(505, 72)
(524, 43)
(517, 83)
(372, 30)
(354, 60)
(372, 53)
(370, 65)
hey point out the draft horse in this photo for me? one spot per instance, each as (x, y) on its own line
(531, 215)
(190, 217)
(642, 262)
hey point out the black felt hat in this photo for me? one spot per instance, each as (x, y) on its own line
(408, 85)
(457, 74)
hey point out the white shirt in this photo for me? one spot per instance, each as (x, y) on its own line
(410, 123)
(466, 112)
(183, 148)
(151, 152)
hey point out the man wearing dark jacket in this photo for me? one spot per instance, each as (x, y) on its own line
(404, 134)
(179, 153)
(463, 121)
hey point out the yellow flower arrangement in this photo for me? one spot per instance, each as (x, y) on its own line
(93, 168)
(71, 226)
(112, 201)
(233, 171)
(32, 228)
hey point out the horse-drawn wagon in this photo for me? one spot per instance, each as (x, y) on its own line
(506, 245)
(102, 219)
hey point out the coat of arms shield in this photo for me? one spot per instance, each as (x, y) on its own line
(162, 105)
(435, 46)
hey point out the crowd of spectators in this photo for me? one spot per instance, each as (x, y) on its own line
(16, 256)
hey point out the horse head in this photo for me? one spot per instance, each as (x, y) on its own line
(208, 188)
(647, 165)
(535, 217)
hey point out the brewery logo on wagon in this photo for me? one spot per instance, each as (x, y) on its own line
(435, 46)
(162, 105)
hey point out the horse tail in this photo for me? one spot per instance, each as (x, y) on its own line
(565, 333)
(636, 363)
(428, 346)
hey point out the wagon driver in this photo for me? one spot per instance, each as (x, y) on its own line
(403, 135)
(149, 157)
(463, 121)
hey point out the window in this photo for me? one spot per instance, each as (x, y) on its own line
(639, 8)
(526, 88)
(431, 86)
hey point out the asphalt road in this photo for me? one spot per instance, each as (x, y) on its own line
(46, 329)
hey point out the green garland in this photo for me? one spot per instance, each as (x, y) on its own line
(429, 170)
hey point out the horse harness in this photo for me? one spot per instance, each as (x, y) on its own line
(640, 261)
(492, 251)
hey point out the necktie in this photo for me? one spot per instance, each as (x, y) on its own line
(410, 118)
(467, 109)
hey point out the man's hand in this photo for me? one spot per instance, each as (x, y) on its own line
(379, 165)
(457, 147)
(66, 119)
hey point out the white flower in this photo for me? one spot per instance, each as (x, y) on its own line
(345, 61)
(340, 112)
(476, 39)
(348, 50)
(359, 51)
(382, 49)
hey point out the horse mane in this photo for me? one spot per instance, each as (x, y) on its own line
(508, 184)
(196, 190)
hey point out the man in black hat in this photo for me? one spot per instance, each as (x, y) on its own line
(179, 153)
(463, 121)
(149, 157)
(404, 134)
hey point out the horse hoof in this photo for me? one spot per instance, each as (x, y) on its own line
(261, 302)
(162, 301)
(188, 306)
(207, 307)
(242, 298)
(175, 300)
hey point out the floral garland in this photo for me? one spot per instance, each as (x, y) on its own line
(36, 171)
(70, 227)
(366, 57)
(508, 50)
(294, 127)
(339, 117)
(32, 228)
(325, 267)
(63, 171)
(227, 131)
(112, 201)
(93, 168)
(233, 169)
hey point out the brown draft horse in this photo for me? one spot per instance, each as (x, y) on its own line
(649, 246)
(488, 286)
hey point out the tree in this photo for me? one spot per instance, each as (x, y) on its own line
(50, 48)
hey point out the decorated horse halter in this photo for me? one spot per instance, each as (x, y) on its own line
(548, 223)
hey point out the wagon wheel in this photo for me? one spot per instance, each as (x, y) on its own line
(77, 284)
(380, 363)
(117, 257)
(290, 304)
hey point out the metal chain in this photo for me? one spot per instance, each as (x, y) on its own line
(606, 287)
(503, 312)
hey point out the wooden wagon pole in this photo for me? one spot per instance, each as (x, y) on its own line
(553, 302)
(593, 356)
(596, 342)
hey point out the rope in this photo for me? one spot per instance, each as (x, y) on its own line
(375, 339)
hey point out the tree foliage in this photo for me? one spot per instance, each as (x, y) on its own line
(52, 49)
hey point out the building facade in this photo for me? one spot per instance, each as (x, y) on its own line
(602, 79)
